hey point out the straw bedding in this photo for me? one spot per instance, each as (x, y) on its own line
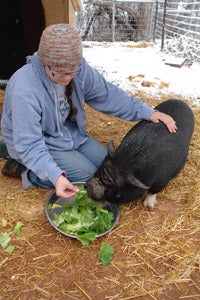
(157, 253)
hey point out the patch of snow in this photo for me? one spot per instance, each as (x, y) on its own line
(130, 65)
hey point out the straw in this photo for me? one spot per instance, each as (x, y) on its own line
(157, 253)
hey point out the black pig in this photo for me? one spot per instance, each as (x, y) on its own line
(146, 160)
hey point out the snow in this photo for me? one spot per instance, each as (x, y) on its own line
(142, 67)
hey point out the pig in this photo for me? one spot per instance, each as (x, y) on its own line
(148, 157)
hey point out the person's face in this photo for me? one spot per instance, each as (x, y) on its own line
(62, 76)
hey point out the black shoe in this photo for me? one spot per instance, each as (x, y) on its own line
(13, 168)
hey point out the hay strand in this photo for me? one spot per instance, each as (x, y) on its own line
(83, 291)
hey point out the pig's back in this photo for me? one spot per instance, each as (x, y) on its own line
(150, 149)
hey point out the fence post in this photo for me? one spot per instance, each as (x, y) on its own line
(155, 21)
(113, 20)
(164, 23)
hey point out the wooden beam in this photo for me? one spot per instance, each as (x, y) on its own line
(77, 4)
(61, 11)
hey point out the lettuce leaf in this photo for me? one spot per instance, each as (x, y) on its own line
(106, 252)
(10, 249)
(17, 229)
(84, 218)
(4, 239)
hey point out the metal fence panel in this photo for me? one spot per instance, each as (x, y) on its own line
(116, 21)
(173, 24)
(178, 27)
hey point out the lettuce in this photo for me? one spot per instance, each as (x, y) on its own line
(106, 252)
(84, 218)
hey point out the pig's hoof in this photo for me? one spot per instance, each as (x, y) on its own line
(149, 201)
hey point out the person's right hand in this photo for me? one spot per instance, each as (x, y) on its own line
(169, 122)
(64, 188)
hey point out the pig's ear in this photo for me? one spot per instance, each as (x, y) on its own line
(136, 182)
(111, 148)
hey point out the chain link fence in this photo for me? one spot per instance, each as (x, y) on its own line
(175, 25)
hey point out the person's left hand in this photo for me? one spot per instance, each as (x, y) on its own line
(158, 116)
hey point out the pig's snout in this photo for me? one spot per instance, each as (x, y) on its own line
(89, 189)
(94, 191)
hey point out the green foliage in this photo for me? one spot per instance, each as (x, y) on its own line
(84, 218)
(5, 237)
(10, 249)
(106, 252)
(17, 229)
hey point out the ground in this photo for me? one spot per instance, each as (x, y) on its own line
(157, 253)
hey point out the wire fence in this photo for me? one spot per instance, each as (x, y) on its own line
(116, 20)
(178, 27)
(175, 25)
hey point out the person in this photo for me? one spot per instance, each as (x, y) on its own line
(43, 120)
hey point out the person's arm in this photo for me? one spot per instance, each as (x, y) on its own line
(110, 99)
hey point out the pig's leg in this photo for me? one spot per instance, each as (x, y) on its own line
(149, 201)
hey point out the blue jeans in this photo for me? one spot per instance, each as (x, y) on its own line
(79, 164)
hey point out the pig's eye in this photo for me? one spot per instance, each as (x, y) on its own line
(118, 196)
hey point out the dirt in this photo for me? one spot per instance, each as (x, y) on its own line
(157, 253)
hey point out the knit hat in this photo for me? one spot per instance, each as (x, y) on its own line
(60, 46)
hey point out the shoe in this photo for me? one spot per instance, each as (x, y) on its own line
(13, 168)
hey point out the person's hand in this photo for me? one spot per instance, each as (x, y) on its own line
(64, 188)
(158, 116)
